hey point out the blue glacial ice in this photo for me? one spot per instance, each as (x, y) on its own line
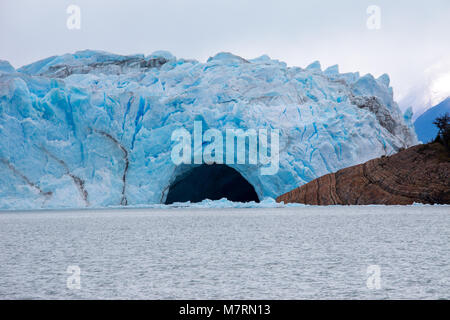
(93, 129)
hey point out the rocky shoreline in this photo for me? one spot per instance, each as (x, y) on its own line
(420, 174)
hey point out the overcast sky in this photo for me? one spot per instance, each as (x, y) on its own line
(412, 45)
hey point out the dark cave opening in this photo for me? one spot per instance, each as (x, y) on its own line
(212, 182)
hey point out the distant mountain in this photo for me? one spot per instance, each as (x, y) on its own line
(425, 129)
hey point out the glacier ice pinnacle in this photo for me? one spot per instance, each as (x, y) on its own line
(256, 148)
(94, 128)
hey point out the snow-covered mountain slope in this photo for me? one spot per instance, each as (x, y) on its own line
(425, 129)
(94, 128)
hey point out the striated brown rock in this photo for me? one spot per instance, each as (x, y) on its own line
(419, 174)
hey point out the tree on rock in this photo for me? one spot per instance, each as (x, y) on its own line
(443, 124)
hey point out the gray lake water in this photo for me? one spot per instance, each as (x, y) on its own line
(263, 253)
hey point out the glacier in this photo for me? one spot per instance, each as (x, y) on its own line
(93, 129)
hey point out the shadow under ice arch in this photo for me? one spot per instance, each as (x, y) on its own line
(214, 182)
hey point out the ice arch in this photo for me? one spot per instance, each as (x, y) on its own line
(212, 182)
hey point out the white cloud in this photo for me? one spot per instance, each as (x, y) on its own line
(432, 87)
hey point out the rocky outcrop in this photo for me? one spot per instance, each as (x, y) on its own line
(419, 174)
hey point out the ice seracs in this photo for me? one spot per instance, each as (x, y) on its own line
(106, 120)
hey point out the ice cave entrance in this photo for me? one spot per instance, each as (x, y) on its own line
(214, 182)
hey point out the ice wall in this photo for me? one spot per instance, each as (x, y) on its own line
(94, 129)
